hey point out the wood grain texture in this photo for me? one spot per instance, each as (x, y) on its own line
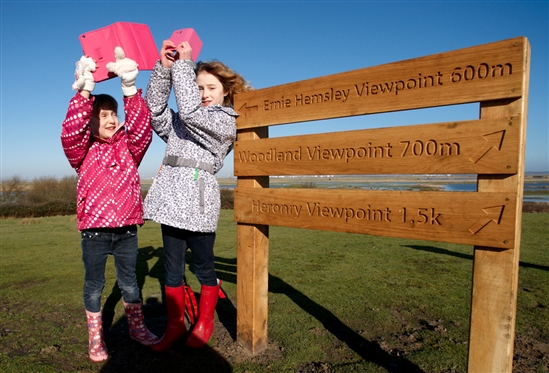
(458, 217)
(487, 146)
(495, 272)
(252, 268)
(493, 148)
(481, 73)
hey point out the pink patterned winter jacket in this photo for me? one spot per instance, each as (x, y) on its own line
(109, 190)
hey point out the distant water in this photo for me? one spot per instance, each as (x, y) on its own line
(461, 187)
(451, 187)
(544, 199)
(528, 187)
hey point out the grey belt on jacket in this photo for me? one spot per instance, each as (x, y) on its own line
(175, 161)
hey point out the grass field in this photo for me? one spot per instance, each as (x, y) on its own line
(337, 303)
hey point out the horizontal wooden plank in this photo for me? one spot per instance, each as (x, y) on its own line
(487, 146)
(481, 73)
(485, 219)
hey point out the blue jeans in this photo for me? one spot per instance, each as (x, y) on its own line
(176, 241)
(97, 245)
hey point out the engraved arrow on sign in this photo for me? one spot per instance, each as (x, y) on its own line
(492, 214)
(245, 108)
(493, 140)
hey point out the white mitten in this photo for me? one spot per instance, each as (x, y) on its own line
(83, 74)
(126, 69)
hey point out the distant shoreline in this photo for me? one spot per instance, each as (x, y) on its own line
(428, 179)
(421, 179)
(536, 186)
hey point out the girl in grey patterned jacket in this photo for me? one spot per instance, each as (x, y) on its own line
(184, 197)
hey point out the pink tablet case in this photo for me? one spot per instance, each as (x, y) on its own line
(189, 35)
(136, 40)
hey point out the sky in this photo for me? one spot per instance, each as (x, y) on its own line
(269, 43)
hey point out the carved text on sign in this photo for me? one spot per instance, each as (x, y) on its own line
(421, 215)
(459, 217)
(317, 153)
(366, 89)
(474, 146)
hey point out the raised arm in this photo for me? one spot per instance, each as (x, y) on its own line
(76, 129)
(156, 98)
(138, 125)
(158, 92)
(138, 116)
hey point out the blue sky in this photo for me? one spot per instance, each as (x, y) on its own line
(268, 42)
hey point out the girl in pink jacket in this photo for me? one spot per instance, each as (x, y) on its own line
(106, 155)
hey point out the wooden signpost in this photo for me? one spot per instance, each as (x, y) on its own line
(496, 75)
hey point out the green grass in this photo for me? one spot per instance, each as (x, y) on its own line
(355, 303)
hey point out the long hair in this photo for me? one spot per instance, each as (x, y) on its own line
(231, 81)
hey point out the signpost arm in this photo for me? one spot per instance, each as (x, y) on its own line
(252, 267)
(496, 75)
(495, 271)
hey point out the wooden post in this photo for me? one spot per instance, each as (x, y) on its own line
(495, 272)
(252, 268)
(493, 147)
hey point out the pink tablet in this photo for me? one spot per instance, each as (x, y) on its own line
(136, 40)
(189, 35)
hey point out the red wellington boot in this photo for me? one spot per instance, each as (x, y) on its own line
(176, 329)
(204, 327)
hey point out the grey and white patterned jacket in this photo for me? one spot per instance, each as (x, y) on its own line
(181, 196)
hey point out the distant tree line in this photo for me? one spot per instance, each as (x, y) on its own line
(49, 196)
(43, 196)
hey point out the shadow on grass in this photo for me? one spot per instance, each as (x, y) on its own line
(126, 355)
(437, 250)
(369, 351)
(142, 271)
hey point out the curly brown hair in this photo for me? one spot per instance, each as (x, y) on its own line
(231, 81)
